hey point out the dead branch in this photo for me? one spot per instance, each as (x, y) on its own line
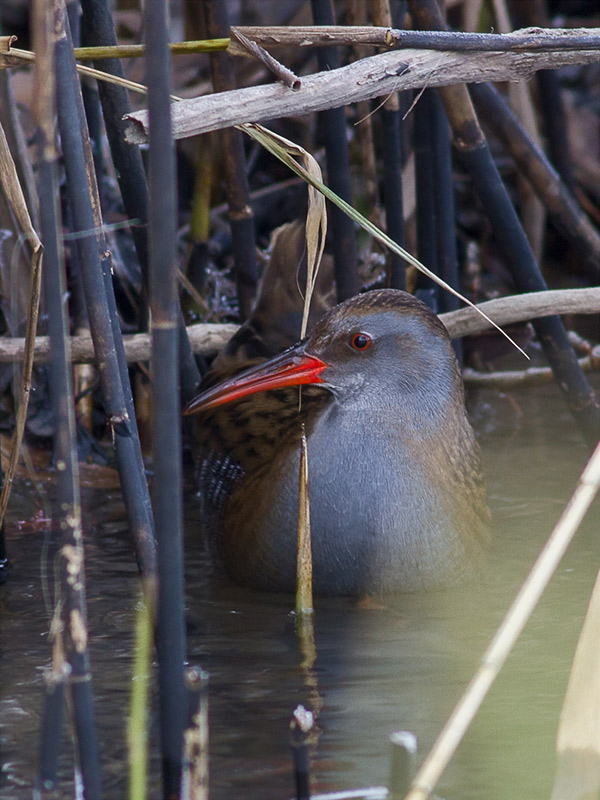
(521, 307)
(375, 76)
(208, 339)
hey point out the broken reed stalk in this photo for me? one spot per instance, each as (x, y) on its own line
(97, 27)
(508, 632)
(51, 729)
(563, 209)
(404, 751)
(283, 74)
(333, 126)
(70, 627)
(475, 155)
(427, 251)
(83, 198)
(166, 428)
(301, 727)
(241, 216)
(194, 785)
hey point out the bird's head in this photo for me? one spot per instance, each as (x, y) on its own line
(377, 346)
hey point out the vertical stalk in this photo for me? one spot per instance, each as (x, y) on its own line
(343, 239)
(97, 28)
(104, 323)
(443, 196)
(564, 211)
(392, 159)
(70, 624)
(427, 251)
(166, 438)
(241, 216)
(52, 720)
(72, 638)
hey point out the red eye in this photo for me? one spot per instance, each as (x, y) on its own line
(360, 341)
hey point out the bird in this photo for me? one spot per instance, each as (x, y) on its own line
(397, 497)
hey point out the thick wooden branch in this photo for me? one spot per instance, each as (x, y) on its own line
(208, 339)
(521, 307)
(375, 76)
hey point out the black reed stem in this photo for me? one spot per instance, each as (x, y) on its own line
(391, 124)
(104, 325)
(343, 240)
(447, 259)
(427, 251)
(565, 213)
(555, 124)
(166, 431)
(73, 614)
(241, 216)
(98, 29)
(392, 159)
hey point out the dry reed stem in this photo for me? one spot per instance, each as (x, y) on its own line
(13, 191)
(304, 593)
(578, 739)
(508, 632)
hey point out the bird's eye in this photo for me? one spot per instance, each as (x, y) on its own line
(360, 341)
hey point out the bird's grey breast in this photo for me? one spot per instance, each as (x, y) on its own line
(378, 520)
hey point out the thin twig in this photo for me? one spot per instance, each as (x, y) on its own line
(283, 74)
(139, 50)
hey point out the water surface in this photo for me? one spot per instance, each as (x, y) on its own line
(379, 668)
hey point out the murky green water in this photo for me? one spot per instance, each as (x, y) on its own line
(402, 666)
